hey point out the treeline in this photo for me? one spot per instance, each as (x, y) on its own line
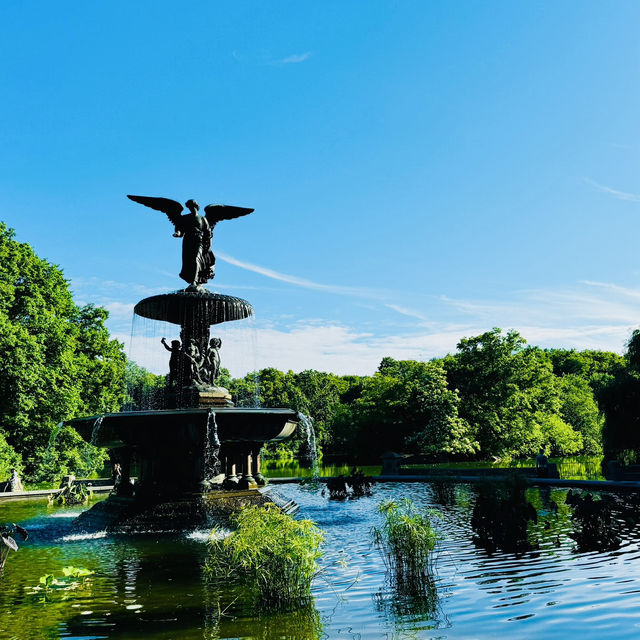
(495, 397)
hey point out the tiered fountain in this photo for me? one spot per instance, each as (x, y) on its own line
(200, 452)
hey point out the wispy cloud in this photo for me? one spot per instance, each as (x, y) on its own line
(301, 282)
(296, 58)
(265, 57)
(406, 311)
(620, 195)
(345, 350)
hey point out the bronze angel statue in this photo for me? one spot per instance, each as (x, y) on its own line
(196, 231)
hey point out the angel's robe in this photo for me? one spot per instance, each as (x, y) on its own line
(198, 261)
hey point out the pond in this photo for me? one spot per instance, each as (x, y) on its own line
(150, 587)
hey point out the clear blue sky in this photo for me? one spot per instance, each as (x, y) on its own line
(420, 170)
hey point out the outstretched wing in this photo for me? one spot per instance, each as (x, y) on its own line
(172, 208)
(216, 212)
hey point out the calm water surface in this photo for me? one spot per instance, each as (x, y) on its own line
(149, 587)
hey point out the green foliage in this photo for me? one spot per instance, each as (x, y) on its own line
(72, 578)
(495, 397)
(510, 397)
(405, 404)
(56, 359)
(271, 552)
(406, 540)
(580, 410)
(598, 368)
(9, 460)
(145, 390)
(620, 401)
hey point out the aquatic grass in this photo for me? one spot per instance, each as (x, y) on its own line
(406, 539)
(272, 553)
(355, 485)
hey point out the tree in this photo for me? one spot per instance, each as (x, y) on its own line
(598, 368)
(57, 360)
(508, 395)
(405, 404)
(620, 401)
(580, 410)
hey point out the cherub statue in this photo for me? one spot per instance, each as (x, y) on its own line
(193, 363)
(175, 361)
(212, 362)
(196, 231)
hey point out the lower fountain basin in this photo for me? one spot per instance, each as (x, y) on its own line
(150, 428)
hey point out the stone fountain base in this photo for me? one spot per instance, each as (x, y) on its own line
(194, 466)
(119, 514)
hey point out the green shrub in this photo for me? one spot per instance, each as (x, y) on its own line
(406, 539)
(272, 553)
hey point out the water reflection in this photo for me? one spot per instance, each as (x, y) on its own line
(403, 604)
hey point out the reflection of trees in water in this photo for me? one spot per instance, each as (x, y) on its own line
(501, 515)
(601, 522)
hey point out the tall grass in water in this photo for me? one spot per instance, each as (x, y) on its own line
(406, 539)
(270, 552)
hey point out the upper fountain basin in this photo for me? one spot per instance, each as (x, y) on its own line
(202, 307)
(144, 428)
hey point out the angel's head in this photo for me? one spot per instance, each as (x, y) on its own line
(192, 205)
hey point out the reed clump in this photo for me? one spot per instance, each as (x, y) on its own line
(406, 539)
(273, 554)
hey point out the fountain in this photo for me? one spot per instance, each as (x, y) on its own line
(199, 454)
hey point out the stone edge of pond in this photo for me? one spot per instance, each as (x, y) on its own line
(8, 496)
(555, 482)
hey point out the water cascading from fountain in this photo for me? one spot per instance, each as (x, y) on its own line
(211, 447)
(307, 424)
